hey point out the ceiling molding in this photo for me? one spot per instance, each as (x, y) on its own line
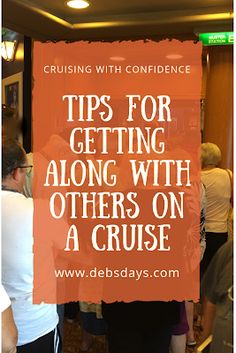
(33, 20)
(43, 13)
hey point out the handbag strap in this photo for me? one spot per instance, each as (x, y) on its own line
(231, 185)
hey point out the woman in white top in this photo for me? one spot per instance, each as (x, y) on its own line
(217, 182)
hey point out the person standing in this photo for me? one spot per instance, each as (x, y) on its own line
(217, 291)
(140, 327)
(218, 185)
(36, 324)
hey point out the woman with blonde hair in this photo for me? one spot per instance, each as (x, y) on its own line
(218, 185)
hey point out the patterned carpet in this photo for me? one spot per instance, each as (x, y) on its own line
(72, 340)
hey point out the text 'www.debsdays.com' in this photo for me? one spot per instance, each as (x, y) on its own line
(117, 273)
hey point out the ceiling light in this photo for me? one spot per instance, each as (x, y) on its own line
(8, 49)
(77, 4)
(117, 58)
(174, 56)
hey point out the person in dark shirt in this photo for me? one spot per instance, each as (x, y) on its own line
(217, 291)
(140, 327)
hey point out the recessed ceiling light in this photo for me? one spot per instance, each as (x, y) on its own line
(77, 4)
(174, 56)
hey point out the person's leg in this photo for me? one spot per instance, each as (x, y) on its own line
(71, 311)
(190, 334)
(86, 340)
(207, 254)
(49, 343)
(124, 341)
(157, 340)
(90, 326)
(213, 242)
(178, 344)
(60, 312)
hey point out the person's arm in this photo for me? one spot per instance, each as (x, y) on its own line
(208, 317)
(9, 332)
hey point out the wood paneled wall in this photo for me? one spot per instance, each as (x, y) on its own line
(218, 126)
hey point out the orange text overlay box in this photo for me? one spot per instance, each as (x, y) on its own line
(116, 132)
